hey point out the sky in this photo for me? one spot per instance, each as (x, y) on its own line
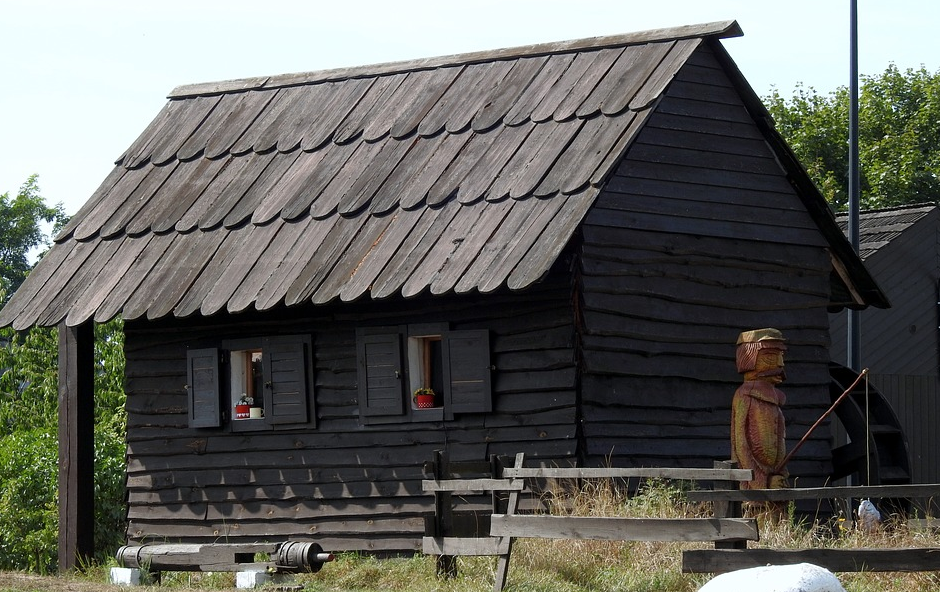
(82, 79)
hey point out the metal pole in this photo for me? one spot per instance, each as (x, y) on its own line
(853, 345)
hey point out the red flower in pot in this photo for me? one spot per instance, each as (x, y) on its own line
(423, 398)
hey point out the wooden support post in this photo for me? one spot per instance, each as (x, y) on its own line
(443, 514)
(76, 445)
(728, 509)
(502, 564)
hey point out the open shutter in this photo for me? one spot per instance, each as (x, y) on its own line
(286, 382)
(380, 375)
(467, 372)
(202, 380)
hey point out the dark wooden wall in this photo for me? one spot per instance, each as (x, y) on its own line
(342, 484)
(698, 237)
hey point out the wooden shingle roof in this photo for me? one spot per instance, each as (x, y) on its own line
(444, 175)
(877, 228)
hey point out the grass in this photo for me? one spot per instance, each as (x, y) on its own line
(565, 565)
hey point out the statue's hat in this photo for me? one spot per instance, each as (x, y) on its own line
(755, 335)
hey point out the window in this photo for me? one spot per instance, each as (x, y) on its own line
(270, 376)
(454, 364)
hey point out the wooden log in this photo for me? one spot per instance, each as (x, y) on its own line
(796, 493)
(472, 485)
(626, 473)
(465, 546)
(845, 560)
(625, 529)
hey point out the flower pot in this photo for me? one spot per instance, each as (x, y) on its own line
(424, 401)
(242, 411)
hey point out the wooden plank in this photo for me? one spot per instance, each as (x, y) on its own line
(241, 116)
(486, 171)
(142, 148)
(534, 159)
(320, 177)
(259, 126)
(917, 491)
(345, 96)
(537, 261)
(508, 92)
(562, 86)
(359, 194)
(184, 123)
(628, 473)
(836, 560)
(601, 64)
(540, 86)
(114, 302)
(362, 246)
(136, 201)
(237, 186)
(177, 195)
(115, 197)
(472, 485)
(272, 176)
(464, 546)
(625, 529)
(379, 92)
(76, 434)
(665, 71)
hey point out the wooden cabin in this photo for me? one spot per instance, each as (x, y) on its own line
(563, 241)
(900, 344)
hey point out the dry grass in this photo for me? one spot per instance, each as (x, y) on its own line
(563, 565)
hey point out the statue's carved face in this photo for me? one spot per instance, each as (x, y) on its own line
(769, 365)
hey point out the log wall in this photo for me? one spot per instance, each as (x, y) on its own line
(345, 485)
(697, 237)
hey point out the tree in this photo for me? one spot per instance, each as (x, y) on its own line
(22, 232)
(899, 137)
(28, 409)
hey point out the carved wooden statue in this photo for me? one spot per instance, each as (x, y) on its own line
(757, 424)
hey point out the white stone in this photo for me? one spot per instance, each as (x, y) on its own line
(125, 576)
(256, 579)
(804, 577)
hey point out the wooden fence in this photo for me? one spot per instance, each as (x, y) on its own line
(724, 531)
(727, 529)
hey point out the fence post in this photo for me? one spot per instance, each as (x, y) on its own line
(443, 514)
(727, 509)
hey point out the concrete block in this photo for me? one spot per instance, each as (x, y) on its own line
(256, 579)
(125, 576)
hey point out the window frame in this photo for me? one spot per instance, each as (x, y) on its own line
(282, 356)
(392, 362)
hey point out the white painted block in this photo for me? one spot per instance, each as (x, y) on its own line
(125, 576)
(256, 579)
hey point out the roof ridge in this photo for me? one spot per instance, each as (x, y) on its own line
(719, 29)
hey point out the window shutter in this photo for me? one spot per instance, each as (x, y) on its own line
(467, 372)
(286, 380)
(202, 380)
(380, 375)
